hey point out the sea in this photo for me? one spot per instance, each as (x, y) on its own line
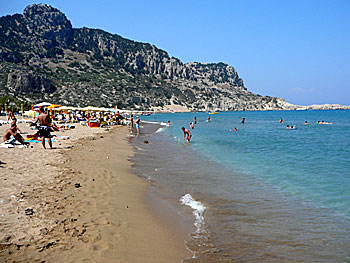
(262, 193)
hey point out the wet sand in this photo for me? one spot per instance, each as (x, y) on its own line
(87, 205)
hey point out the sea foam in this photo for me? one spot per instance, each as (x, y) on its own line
(198, 211)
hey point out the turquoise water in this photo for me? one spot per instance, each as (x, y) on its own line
(311, 162)
(266, 194)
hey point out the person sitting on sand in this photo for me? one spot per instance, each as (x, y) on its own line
(186, 132)
(45, 127)
(13, 131)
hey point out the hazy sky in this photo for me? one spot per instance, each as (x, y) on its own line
(297, 50)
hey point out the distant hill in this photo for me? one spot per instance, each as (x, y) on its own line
(43, 58)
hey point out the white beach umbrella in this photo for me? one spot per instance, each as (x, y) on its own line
(65, 108)
(90, 108)
(42, 104)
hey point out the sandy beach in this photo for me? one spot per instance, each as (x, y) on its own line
(83, 203)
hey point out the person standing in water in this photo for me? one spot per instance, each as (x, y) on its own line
(243, 120)
(281, 120)
(195, 120)
(137, 124)
(191, 125)
(131, 122)
(209, 120)
(186, 133)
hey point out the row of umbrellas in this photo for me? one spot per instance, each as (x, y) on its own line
(60, 107)
(56, 107)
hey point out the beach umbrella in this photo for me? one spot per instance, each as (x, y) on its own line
(91, 108)
(42, 104)
(54, 106)
(30, 113)
(65, 108)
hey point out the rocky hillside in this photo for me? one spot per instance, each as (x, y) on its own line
(43, 58)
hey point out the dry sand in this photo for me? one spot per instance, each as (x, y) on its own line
(106, 219)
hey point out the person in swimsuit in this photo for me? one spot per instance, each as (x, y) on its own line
(243, 120)
(195, 120)
(209, 120)
(137, 124)
(13, 131)
(281, 120)
(11, 116)
(169, 124)
(131, 122)
(45, 127)
(191, 125)
(186, 132)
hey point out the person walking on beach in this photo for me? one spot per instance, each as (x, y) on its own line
(131, 122)
(186, 132)
(137, 124)
(11, 116)
(45, 127)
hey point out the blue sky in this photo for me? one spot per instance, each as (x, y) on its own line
(297, 50)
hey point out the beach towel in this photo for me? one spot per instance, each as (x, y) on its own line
(4, 145)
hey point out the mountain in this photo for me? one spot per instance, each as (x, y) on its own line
(42, 57)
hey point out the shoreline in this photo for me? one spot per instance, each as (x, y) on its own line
(106, 219)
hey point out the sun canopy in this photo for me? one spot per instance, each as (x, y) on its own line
(65, 108)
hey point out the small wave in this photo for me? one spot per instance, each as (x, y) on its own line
(155, 122)
(160, 130)
(198, 211)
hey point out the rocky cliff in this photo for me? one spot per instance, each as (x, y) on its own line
(43, 58)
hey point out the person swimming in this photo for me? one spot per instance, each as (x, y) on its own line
(306, 123)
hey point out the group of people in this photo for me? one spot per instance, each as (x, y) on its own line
(45, 123)
(137, 124)
(44, 129)
(292, 127)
